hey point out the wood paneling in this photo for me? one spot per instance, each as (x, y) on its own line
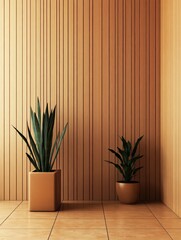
(170, 104)
(98, 61)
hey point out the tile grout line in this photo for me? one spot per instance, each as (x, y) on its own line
(105, 221)
(11, 212)
(53, 224)
(158, 221)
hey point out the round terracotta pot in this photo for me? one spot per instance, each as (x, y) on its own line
(127, 192)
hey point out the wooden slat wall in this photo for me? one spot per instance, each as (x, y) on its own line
(98, 60)
(170, 104)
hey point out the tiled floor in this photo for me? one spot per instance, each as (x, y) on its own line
(90, 221)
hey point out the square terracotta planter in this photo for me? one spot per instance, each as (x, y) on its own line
(44, 191)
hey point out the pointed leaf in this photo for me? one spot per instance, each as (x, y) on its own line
(25, 140)
(136, 146)
(116, 154)
(39, 111)
(35, 151)
(136, 170)
(116, 166)
(59, 144)
(32, 161)
(54, 146)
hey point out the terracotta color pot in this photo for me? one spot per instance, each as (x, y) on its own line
(44, 191)
(127, 192)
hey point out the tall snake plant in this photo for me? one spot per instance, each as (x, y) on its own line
(42, 153)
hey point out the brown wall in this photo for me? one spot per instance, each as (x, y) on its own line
(170, 103)
(98, 60)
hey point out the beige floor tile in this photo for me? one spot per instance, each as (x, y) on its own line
(9, 204)
(28, 214)
(22, 234)
(23, 206)
(81, 214)
(161, 211)
(133, 223)
(170, 222)
(5, 213)
(126, 207)
(164, 214)
(2, 219)
(80, 223)
(27, 223)
(79, 234)
(128, 214)
(138, 234)
(175, 233)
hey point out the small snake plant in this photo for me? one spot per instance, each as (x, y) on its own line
(127, 159)
(42, 153)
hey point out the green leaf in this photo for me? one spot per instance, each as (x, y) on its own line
(134, 159)
(35, 151)
(136, 146)
(33, 162)
(129, 148)
(50, 133)
(25, 140)
(125, 144)
(59, 144)
(116, 166)
(136, 170)
(116, 154)
(53, 148)
(39, 111)
(36, 128)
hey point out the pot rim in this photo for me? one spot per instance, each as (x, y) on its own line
(132, 182)
(52, 172)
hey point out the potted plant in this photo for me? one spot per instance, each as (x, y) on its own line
(44, 182)
(127, 189)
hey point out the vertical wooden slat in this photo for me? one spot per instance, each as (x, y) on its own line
(80, 69)
(91, 97)
(133, 85)
(128, 68)
(75, 73)
(7, 102)
(137, 74)
(53, 65)
(120, 73)
(158, 115)
(71, 99)
(24, 69)
(143, 79)
(57, 74)
(38, 49)
(179, 117)
(42, 50)
(152, 101)
(112, 93)
(65, 89)
(61, 96)
(105, 103)
(19, 98)
(2, 24)
(96, 100)
(33, 53)
(13, 98)
(48, 50)
(86, 99)
(45, 52)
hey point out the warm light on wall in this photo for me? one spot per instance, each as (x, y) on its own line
(98, 60)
